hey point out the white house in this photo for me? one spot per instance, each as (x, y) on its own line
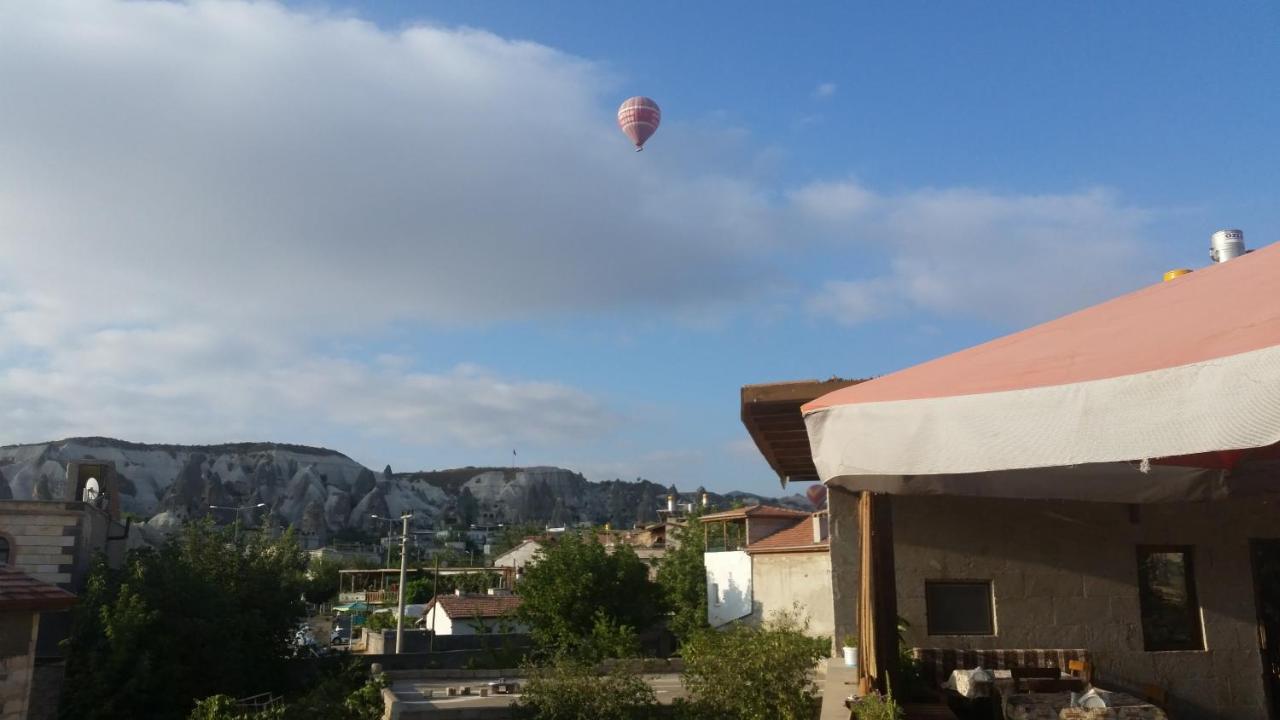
(762, 560)
(460, 614)
(520, 556)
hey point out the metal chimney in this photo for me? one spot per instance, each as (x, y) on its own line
(1226, 245)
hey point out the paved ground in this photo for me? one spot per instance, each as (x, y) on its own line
(433, 694)
(839, 683)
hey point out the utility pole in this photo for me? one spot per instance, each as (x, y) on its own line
(404, 567)
(435, 604)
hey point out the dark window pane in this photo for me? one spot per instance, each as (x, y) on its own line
(959, 608)
(4, 551)
(1167, 593)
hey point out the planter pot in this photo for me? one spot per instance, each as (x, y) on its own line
(851, 656)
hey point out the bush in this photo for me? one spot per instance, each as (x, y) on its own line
(877, 707)
(377, 622)
(753, 673)
(569, 690)
(340, 692)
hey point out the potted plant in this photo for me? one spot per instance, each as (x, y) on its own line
(850, 651)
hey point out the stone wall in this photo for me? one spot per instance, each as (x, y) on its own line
(46, 690)
(43, 538)
(787, 581)
(17, 649)
(1064, 575)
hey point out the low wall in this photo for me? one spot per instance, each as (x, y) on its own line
(419, 641)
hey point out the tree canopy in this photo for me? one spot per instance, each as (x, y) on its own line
(683, 578)
(579, 590)
(206, 613)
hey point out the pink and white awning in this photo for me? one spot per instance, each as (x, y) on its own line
(1168, 393)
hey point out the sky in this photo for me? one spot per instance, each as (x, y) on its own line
(412, 232)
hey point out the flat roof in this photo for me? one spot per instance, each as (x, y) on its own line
(761, 511)
(771, 414)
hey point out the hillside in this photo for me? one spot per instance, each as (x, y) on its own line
(322, 491)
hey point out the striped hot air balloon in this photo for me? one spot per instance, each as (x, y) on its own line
(639, 117)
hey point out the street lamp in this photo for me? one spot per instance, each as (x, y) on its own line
(389, 527)
(237, 511)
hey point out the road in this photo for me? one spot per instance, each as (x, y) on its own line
(433, 693)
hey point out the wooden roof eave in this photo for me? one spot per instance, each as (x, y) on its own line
(771, 414)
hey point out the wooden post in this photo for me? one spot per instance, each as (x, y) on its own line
(877, 593)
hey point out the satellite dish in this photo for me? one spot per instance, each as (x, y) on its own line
(91, 491)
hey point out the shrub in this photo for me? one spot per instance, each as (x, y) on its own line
(569, 690)
(754, 673)
(877, 707)
(377, 622)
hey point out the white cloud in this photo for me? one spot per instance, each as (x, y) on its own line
(193, 384)
(824, 90)
(195, 197)
(975, 253)
(227, 159)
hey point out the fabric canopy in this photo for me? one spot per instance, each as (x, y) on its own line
(1168, 393)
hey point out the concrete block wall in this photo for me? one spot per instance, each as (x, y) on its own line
(1064, 575)
(845, 564)
(17, 647)
(793, 581)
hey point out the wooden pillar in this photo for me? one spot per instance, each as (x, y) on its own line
(877, 593)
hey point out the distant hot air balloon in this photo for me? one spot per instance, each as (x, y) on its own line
(817, 495)
(639, 117)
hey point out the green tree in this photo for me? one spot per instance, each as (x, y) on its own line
(207, 613)
(578, 584)
(570, 690)
(754, 673)
(419, 590)
(321, 584)
(682, 574)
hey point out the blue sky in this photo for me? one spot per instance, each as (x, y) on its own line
(411, 231)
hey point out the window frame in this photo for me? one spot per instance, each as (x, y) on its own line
(990, 587)
(11, 559)
(1196, 622)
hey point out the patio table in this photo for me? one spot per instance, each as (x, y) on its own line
(1057, 706)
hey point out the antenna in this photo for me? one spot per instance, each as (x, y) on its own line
(91, 491)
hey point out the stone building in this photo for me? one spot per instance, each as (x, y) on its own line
(22, 600)
(55, 542)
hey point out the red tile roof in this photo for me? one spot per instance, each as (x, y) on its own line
(755, 511)
(23, 592)
(797, 538)
(469, 606)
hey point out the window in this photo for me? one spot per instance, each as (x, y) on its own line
(1167, 596)
(4, 551)
(959, 607)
